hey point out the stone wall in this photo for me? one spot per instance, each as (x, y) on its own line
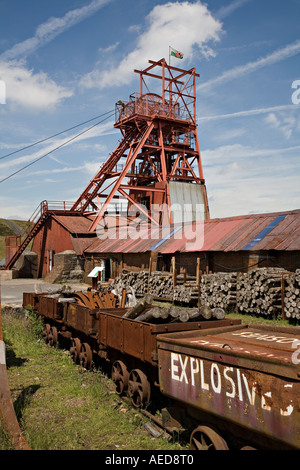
(67, 268)
(27, 265)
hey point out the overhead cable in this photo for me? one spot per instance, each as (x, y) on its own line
(56, 148)
(55, 135)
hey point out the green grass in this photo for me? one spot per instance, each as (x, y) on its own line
(260, 320)
(61, 406)
(6, 231)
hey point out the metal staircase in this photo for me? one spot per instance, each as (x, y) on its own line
(15, 245)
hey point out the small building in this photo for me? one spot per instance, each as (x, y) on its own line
(220, 245)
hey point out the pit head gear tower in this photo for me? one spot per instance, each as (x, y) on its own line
(157, 162)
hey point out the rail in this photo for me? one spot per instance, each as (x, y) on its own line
(149, 105)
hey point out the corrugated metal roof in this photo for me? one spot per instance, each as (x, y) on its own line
(80, 244)
(75, 223)
(254, 232)
(262, 235)
(237, 233)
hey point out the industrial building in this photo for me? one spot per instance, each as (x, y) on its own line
(156, 171)
(229, 244)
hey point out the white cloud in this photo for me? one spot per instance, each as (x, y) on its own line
(16, 211)
(186, 26)
(92, 167)
(250, 112)
(285, 52)
(229, 134)
(230, 8)
(36, 90)
(49, 30)
(243, 179)
(89, 167)
(109, 49)
(228, 153)
(55, 171)
(229, 198)
(284, 123)
(135, 28)
(31, 90)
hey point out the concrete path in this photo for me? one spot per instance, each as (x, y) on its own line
(12, 289)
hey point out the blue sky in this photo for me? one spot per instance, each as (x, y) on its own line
(65, 62)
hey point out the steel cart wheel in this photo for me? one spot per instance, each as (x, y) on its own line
(139, 388)
(52, 336)
(75, 350)
(46, 332)
(120, 376)
(86, 356)
(205, 438)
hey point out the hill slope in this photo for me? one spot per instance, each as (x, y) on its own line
(10, 228)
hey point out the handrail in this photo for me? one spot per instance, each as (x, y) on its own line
(38, 215)
(149, 104)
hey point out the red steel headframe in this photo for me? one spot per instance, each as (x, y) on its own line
(159, 145)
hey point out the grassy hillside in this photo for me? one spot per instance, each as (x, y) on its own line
(9, 228)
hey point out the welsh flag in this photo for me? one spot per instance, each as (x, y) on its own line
(175, 53)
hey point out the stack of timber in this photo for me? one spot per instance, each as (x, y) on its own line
(262, 291)
(186, 292)
(145, 311)
(259, 291)
(137, 280)
(219, 290)
(292, 296)
(161, 285)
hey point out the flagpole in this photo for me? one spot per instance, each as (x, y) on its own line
(169, 55)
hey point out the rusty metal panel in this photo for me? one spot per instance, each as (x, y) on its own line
(50, 308)
(136, 339)
(81, 318)
(248, 375)
(70, 315)
(125, 335)
(111, 331)
(27, 299)
(32, 299)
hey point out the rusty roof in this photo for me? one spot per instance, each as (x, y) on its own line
(253, 232)
(75, 223)
(80, 244)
